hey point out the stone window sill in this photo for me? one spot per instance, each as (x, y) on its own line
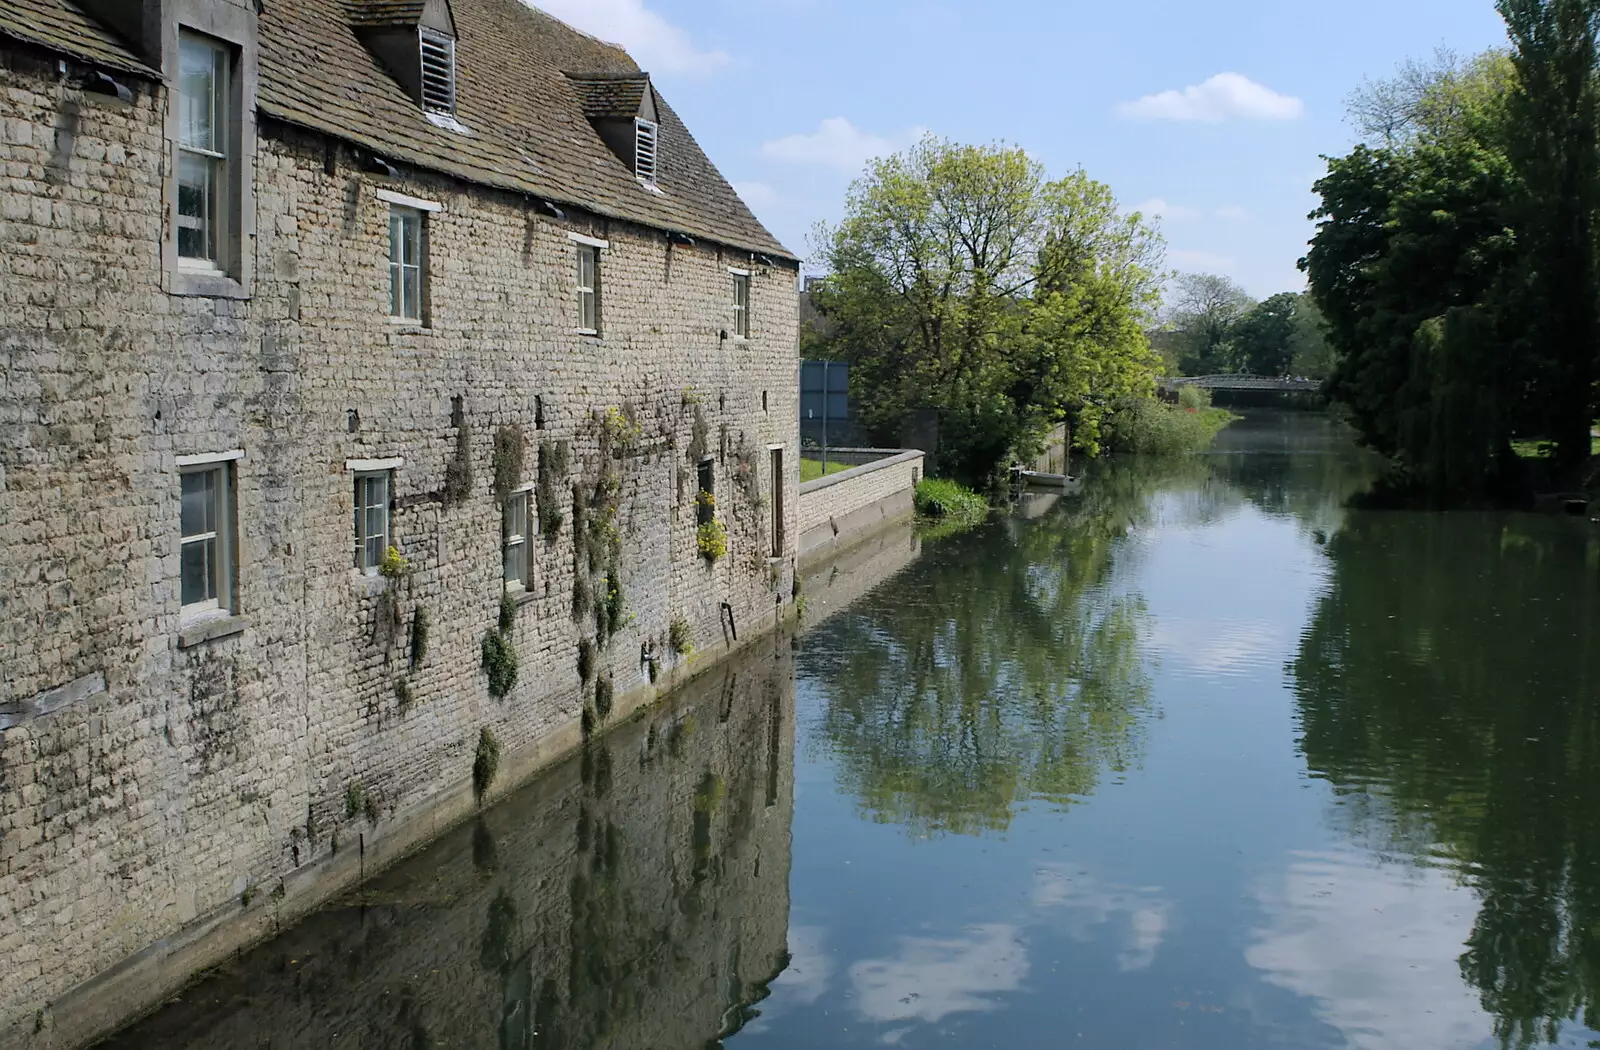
(521, 595)
(198, 632)
(199, 281)
(368, 584)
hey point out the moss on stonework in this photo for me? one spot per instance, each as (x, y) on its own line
(603, 694)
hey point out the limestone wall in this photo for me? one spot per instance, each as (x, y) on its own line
(159, 787)
(852, 503)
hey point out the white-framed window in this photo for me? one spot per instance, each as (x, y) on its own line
(589, 288)
(646, 134)
(741, 305)
(205, 69)
(438, 71)
(206, 546)
(372, 519)
(515, 524)
(407, 260)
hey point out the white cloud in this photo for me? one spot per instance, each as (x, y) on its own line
(1226, 96)
(1088, 903)
(757, 195)
(656, 44)
(1376, 949)
(1162, 209)
(837, 143)
(931, 978)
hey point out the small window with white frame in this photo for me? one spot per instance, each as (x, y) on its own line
(741, 304)
(205, 69)
(589, 289)
(206, 546)
(408, 260)
(438, 53)
(372, 520)
(515, 522)
(646, 136)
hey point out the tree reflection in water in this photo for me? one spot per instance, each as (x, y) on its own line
(1001, 667)
(1448, 685)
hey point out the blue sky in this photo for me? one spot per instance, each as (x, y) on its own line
(1214, 113)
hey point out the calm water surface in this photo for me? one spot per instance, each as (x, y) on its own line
(1197, 758)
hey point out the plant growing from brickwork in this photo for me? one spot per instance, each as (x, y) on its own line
(552, 471)
(458, 471)
(586, 657)
(500, 662)
(485, 762)
(680, 635)
(711, 539)
(619, 431)
(394, 565)
(604, 690)
(508, 613)
(402, 694)
(355, 799)
(510, 448)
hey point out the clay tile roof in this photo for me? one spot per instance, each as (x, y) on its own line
(529, 122)
(529, 129)
(385, 12)
(61, 26)
(613, 96)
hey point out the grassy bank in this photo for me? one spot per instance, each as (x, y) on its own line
(947, 507)
(1152, 428)
(811, 469)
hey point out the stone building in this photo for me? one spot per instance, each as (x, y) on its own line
(384, 384)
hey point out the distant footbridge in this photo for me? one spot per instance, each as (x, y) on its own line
(1240, 381)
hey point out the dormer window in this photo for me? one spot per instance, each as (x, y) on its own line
(438, 72)
(644, 150)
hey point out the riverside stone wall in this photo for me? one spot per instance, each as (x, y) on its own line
(170, 790)
(853, 503)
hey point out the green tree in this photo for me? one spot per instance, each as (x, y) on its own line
(967, 287)
(1203, 311)
(1405, 235)
(1310, 353)
(1553, 148)
(1263, 339)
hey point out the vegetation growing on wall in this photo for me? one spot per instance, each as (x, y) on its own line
(510, 448)
(552, 472)
(711, 539)
(680, 635)
(485, 762)
(500, 662)
(458, 471)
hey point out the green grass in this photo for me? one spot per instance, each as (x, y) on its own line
(811, 469)
(950, 502)
(1538, 448)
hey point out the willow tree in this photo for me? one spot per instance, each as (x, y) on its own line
(967, 287)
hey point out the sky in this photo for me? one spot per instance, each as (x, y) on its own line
(1213, 115)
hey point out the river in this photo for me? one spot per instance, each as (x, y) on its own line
(1196, 758)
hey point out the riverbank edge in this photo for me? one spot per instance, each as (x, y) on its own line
(142, 982)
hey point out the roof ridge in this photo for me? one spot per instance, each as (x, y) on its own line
(613, 45)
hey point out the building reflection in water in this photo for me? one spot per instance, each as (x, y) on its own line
(636, 895)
